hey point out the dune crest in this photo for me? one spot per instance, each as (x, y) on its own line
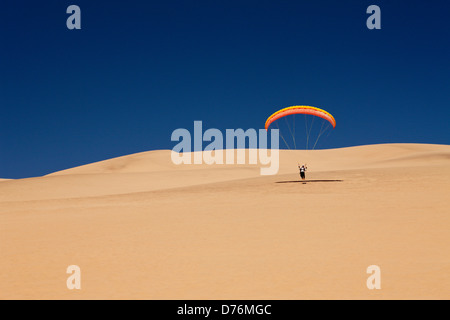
(153, 170)
(367, 156)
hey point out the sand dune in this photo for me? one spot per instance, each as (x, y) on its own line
(142, 227)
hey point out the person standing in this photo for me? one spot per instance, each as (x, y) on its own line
(303, 169)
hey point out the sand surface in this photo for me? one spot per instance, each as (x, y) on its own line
(141, 227)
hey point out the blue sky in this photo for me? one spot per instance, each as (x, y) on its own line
(137, 70)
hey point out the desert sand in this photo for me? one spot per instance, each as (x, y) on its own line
(141, 227)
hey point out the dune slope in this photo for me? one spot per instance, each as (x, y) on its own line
(141, 227)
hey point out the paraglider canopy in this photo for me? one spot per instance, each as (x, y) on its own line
(301, 110)
(328, 121)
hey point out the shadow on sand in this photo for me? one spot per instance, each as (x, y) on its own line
(308, 181)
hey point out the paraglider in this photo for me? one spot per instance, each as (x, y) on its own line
(284, 120)
(302, 169)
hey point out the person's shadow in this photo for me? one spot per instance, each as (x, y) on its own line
(309, 181)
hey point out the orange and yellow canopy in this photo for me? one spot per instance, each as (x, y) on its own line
(300, 110)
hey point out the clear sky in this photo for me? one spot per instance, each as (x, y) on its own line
(137, 70)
